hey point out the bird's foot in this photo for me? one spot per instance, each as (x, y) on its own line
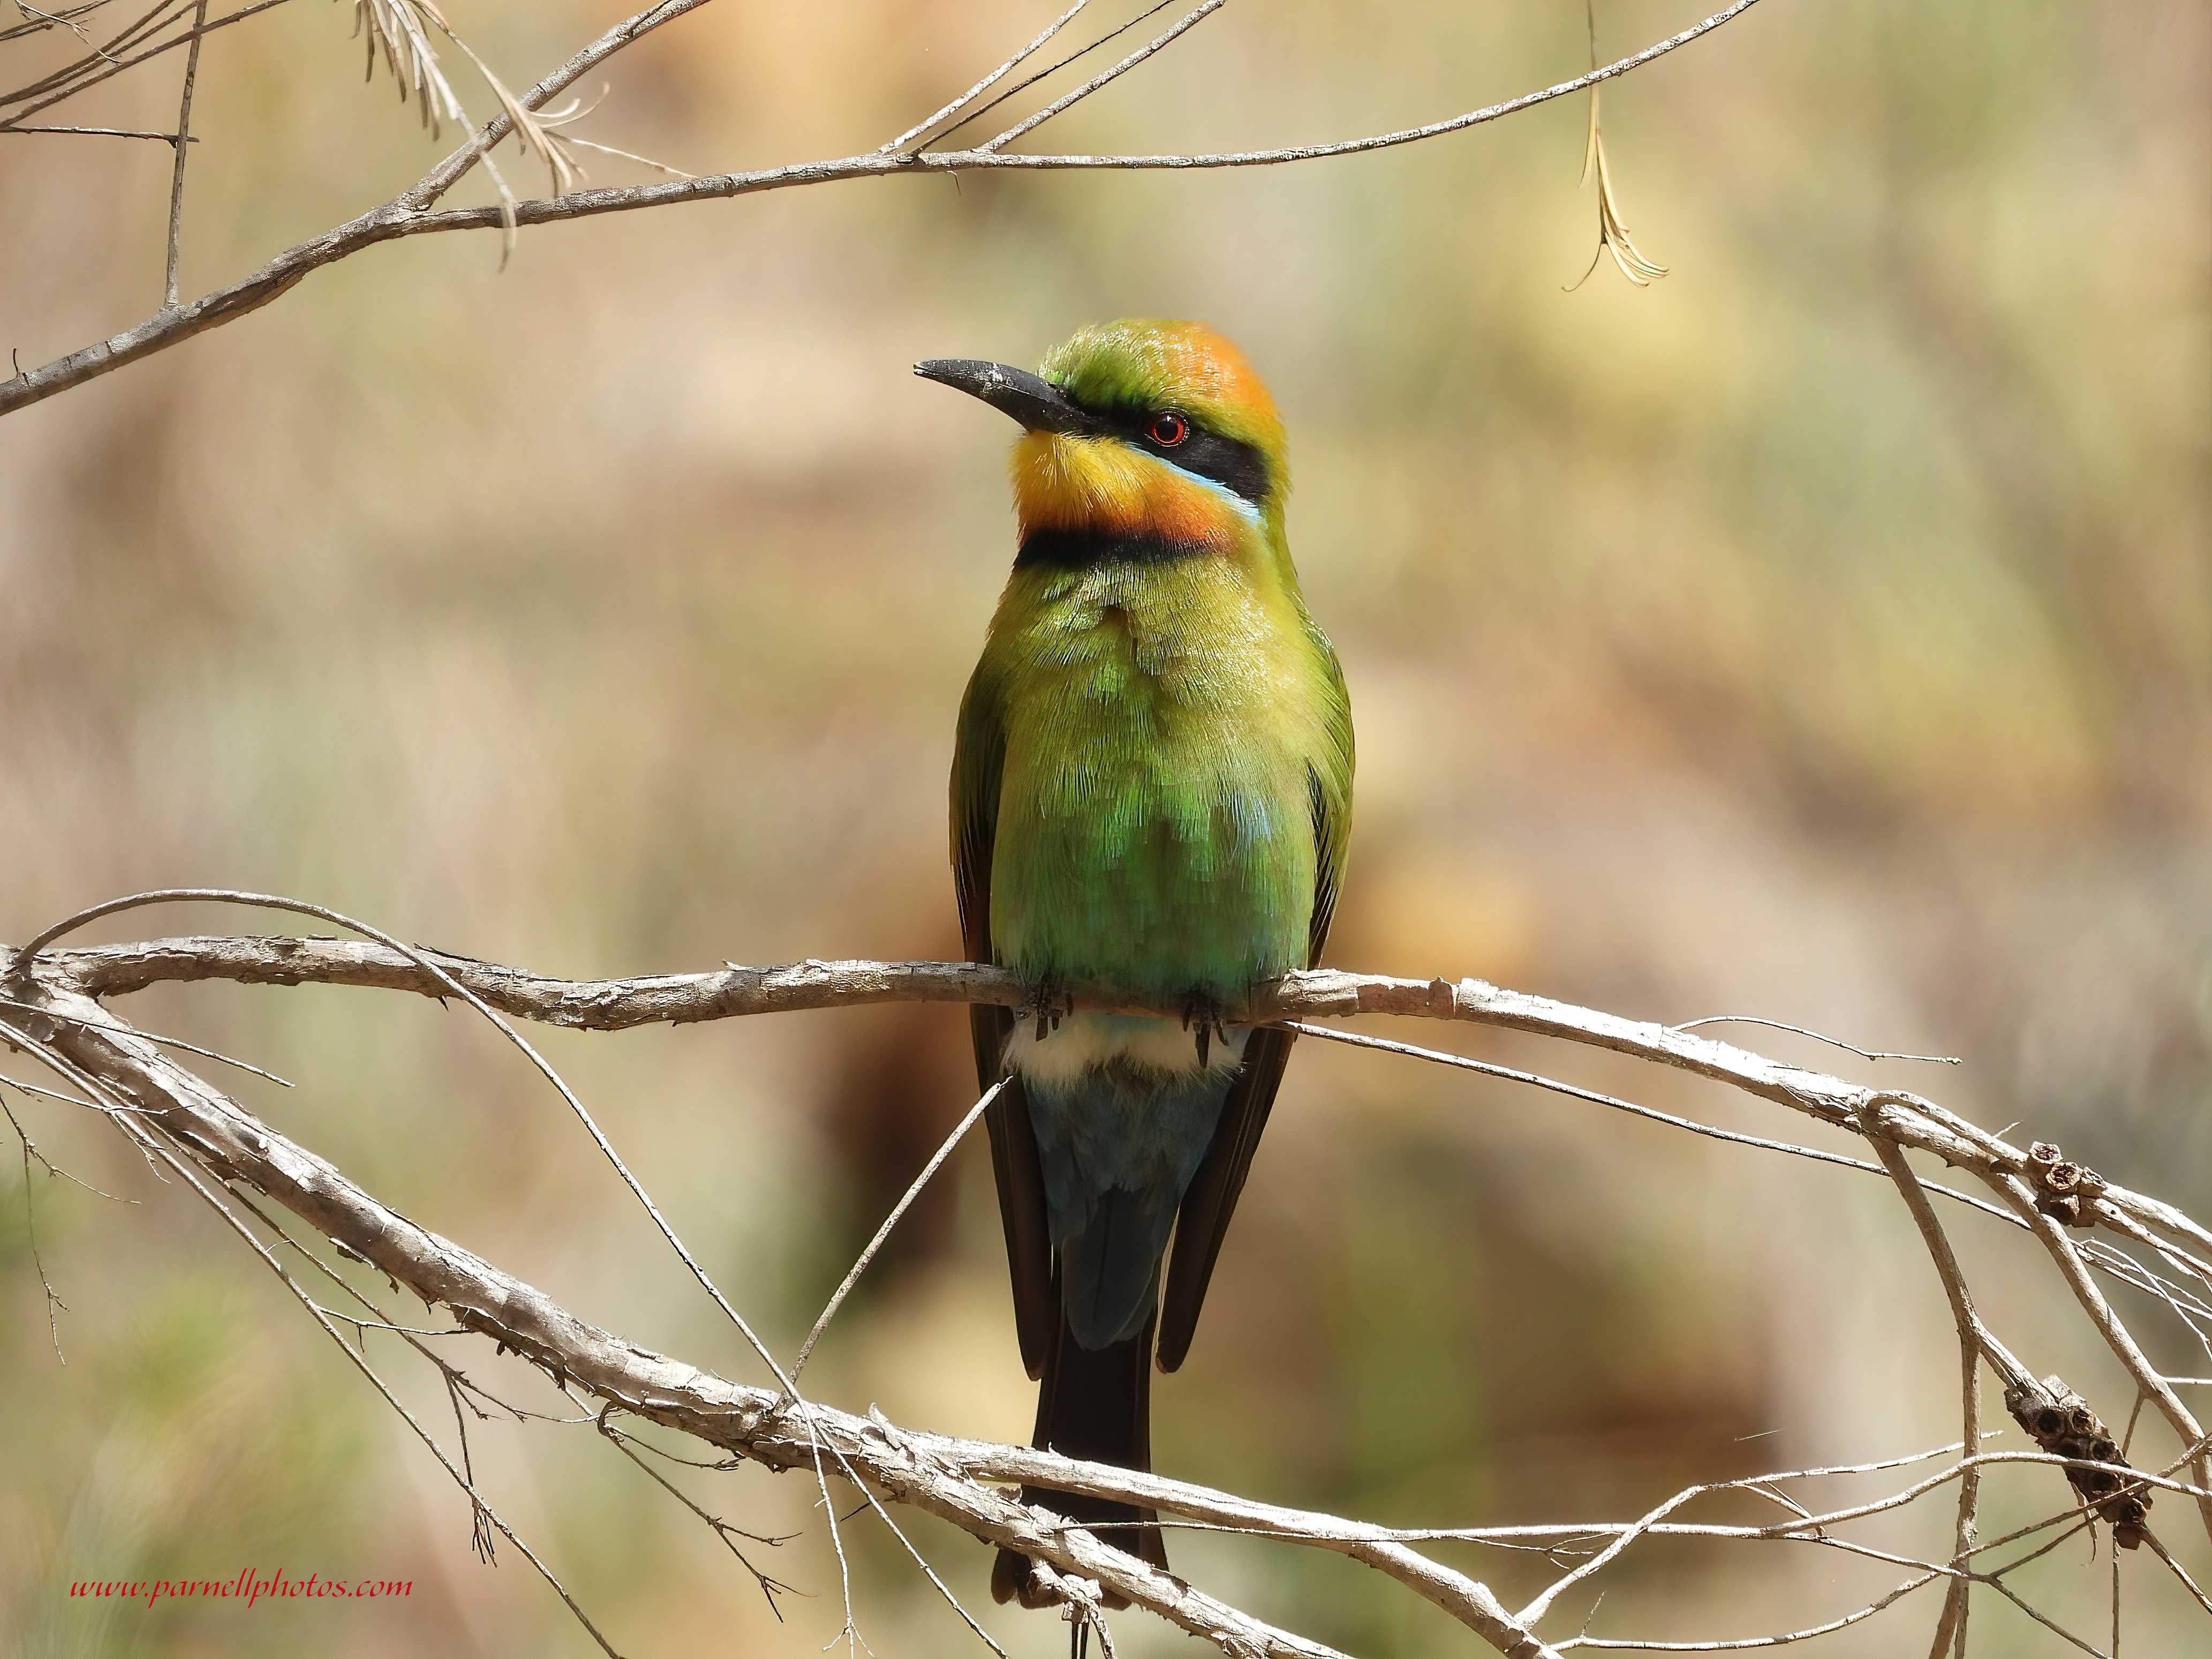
(1048, 1005)
(1204, 1014)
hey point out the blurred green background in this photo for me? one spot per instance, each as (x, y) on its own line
(1823, 633)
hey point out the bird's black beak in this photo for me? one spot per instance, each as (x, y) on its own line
(1037, 403)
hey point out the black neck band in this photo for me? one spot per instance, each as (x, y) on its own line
(1082, 549)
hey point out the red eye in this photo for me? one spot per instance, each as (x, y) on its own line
(1167, 429)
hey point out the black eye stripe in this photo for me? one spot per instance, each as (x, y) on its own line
(1230, 462)
(1237, 466)
(1226, 461)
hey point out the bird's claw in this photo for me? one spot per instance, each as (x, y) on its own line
(1204, 1013)
(1050, 1007)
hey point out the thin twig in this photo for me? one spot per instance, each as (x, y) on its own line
(1856, 1617)
(1817, 1037)
(31, 1147)
(43, 20)
(31, 1229)
(1053, 68)
(176, 177)
(1950, 1625)
(770, 1587)
(829, 1308)
(1160, 42)
(166, 1042)
(1532, 1614)
(2188, 1584)
(1536, 1079)
(103, 132)
(65, 81)
(988, 81)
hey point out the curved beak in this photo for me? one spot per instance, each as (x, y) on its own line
(1036, 403)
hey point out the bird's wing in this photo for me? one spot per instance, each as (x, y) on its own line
(1211, 1199)
(978, 754)
(1329, 784)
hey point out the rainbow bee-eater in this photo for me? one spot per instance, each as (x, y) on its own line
(1151, 791)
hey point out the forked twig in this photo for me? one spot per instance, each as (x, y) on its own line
(31, 1230)
(1190, 20)
(728, 1535)
(1005, 68)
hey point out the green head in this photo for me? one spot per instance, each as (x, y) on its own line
(1139, 428)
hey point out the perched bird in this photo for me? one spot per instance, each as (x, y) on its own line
(1151, 791)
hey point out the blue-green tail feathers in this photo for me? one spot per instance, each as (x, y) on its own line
(1118, 1144)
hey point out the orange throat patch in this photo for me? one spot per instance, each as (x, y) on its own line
(1069, 482)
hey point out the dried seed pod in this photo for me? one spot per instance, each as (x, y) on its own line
(2061, 1422)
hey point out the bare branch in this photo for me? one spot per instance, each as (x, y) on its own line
(2187, 1582)
(723, 1531)
(409, 214)
(31, 1229)
(1325, 993)
(127, 1075)
(948, 1478)
(42, 21)
(1857, 1616)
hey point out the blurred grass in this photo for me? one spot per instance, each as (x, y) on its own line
(1825, 633)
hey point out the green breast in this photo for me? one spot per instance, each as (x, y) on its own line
(1155, 829)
